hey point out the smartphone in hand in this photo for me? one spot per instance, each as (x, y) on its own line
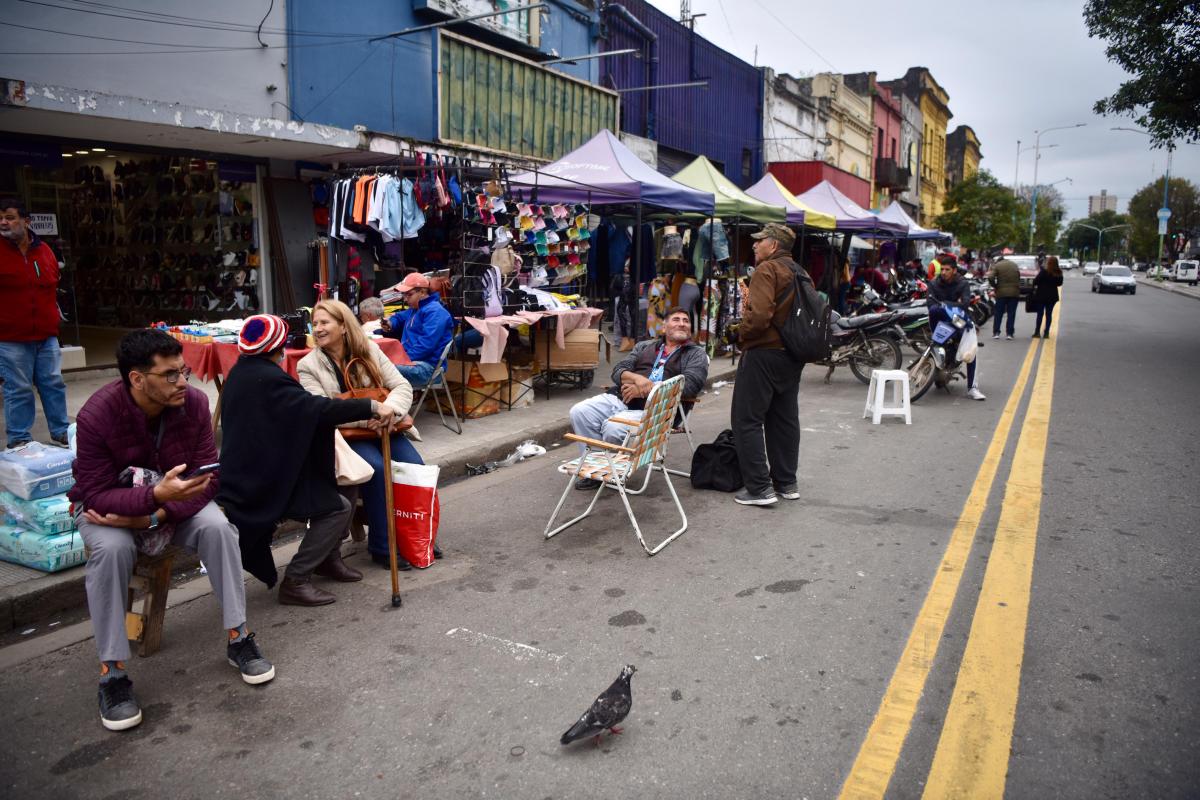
(199, 471)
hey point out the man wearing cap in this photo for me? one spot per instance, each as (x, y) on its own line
(765, 413)
(277, 463)
(150, 419)
(424, 328)
(29, 352)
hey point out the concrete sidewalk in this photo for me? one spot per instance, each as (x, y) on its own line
(28, 596)
(1169, 286)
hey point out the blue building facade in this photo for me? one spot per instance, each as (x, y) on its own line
(722, 122)
(391, 85)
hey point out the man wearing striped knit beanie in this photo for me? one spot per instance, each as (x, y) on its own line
(277, 463)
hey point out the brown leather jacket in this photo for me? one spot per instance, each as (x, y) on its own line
(771, 282)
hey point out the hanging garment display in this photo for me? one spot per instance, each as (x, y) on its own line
(712, 244)
(656, 306)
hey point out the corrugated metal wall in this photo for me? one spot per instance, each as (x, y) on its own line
(489, 99)
(721, 122)
(800, 176)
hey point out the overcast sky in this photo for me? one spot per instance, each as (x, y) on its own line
(1011, 67)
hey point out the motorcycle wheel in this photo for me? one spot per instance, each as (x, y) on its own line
(879, 352)
(920, 376)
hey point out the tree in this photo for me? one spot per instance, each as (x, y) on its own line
(1183, 200)
(1081, 240)
(983, 213)
(1159, 45)
(1051, 208)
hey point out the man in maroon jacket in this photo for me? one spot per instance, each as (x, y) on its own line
(152, 419)
(29, 353)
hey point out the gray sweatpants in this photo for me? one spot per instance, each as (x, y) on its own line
(110, 565)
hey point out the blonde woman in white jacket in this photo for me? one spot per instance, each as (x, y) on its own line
(339, 339)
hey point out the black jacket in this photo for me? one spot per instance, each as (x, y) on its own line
(1045, 287)
(957, 291)
(276, 455)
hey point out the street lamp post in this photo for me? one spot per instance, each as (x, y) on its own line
(1017, 170)
(1037, 154)
(1099, 235)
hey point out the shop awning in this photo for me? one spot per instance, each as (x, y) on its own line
(603, 171)
(730, 200)
(894, 213)
(770, 190)
(847, 214)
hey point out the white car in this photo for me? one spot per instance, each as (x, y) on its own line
(1091, 268)
(1068, 263)
(1114, 278)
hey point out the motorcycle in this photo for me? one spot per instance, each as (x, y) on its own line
(939, 364)
(865, 342)
(911, 315)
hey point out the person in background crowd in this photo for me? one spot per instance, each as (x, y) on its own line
(843, 287)
(29, 318)
(277, 463)
(950, 288)
(765, 413)
(621, 290)
(370, 314)
(150, 418)
(651, 362)
(322, 372)
(1006, 277)
(1045, 293)
(424, 328)
(873, 277)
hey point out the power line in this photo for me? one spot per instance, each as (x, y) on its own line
(798, 37)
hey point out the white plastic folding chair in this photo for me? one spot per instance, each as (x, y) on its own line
(438, 381)
(613, 464)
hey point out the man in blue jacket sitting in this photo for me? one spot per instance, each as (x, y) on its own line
(424, 329)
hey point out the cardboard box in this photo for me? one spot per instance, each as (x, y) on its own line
(479, 395)
(519, 393)
(582, 350)
(73, 357)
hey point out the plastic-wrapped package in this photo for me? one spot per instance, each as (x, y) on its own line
(46, 515)
(35, 470)
(47, 552)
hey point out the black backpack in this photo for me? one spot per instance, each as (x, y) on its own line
(715, 466)
(806, 332)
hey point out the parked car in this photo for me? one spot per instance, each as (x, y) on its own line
(1029, 270)
(1068, 263)
(1091, 268)
(1114, 278)
(1185, 270)
(1140, 266)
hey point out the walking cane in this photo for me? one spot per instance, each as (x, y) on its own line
(390, 502)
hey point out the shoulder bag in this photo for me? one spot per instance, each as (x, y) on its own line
(374, 392)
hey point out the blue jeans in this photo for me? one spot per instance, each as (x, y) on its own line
(1048, 310)
(1009, 305)
(466, 340)
(372, 492)
(24, 365)
(417, 373)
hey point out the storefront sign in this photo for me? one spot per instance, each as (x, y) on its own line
(41, 156)
(44, 224)
(241, 171)
(524, 26)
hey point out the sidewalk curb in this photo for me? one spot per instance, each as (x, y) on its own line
(1168, 286)
(30, 602)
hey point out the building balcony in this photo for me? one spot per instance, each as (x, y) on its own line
(890, 176)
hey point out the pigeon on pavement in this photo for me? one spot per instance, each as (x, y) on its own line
(610, 708)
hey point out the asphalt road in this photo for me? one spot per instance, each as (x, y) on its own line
(765, 639)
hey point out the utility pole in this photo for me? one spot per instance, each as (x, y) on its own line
(1037, 154)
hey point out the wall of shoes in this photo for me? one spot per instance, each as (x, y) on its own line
(162, 238)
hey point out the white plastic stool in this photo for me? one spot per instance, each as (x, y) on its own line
(877, 394)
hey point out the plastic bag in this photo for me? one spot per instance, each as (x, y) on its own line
(969, 346)
(416, 511)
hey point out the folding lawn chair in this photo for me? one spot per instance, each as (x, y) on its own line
(614, 464)
(438, 381)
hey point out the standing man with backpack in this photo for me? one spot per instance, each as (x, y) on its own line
(765, 414)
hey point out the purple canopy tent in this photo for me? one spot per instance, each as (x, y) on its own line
(894, 213)
(603, 171)
(848, 215)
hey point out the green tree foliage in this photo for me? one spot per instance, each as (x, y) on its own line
(1051, 208)
(1158, 43)
(1081, 241)
(1184, 202)
(982, 212)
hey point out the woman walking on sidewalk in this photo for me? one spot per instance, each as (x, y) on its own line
(1045, 293)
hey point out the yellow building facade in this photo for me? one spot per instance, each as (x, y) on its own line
(849, 125)
(935, 111)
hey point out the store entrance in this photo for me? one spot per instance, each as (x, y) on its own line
(144, 238)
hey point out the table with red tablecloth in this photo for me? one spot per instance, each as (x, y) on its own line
(212, 361)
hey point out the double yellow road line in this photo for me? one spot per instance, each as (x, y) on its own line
(972, 754)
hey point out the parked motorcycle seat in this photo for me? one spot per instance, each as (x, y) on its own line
(861, 321)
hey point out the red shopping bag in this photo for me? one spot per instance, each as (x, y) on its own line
(416, 509)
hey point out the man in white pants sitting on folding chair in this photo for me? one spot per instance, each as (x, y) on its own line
(648, 364)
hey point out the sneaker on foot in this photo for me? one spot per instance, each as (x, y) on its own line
(583, 484)
(119, 710)
(995, 336)
(16, 444)
(748, 498)
(244, 654)
(1037, 335)
(975, 394)
(1009, 337)
(788, 491)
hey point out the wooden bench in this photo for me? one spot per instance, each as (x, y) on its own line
(152, 577)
